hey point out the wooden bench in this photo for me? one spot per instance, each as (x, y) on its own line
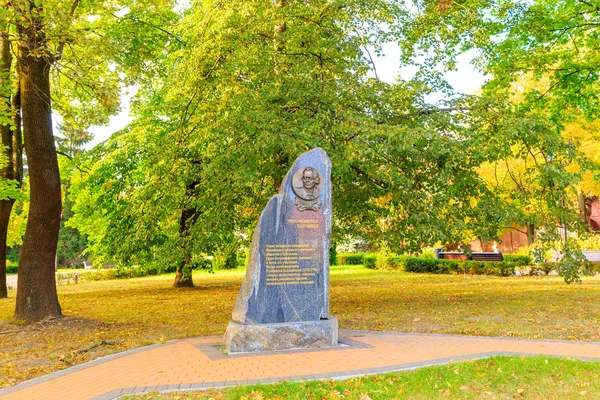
(452, 255)
(592, 256)
(487, 256)
(88, 265)
(477, 256)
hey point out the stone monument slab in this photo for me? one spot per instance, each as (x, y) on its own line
(284, 300)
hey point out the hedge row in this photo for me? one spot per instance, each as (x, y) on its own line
(520, 261)
(433, 266)
(11, 268)
(351, 258)
(385, 261)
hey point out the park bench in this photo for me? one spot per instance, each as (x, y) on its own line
(452, 255)
(88, 265)
(487, 256)
(592, 256)
(475, 256)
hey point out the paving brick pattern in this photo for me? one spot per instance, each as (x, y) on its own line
(199, 363)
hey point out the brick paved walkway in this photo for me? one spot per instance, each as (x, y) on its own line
(199, 363)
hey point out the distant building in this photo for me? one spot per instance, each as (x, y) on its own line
(592, 213)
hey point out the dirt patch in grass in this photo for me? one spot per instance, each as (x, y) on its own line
(111, 316)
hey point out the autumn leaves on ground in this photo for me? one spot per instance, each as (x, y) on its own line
(110, 316)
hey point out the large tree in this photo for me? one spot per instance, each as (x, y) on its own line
(11, 170)
(542, 59)
(252, 86)
(72, 59)
(36, 294)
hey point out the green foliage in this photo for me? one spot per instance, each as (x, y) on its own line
(369, 261)
(18, 217)
(67, 278)
(249, 88)
(333, 254)
(12, 268)
(373, 260)
(13, 254)
(541, 60)
(71, 247)
(225, 260)
(9, 188)
(386, 261)
(518, 260)
(542, 269)
(242, 257)
(233, 96)
(433, 266)
(351, 258)
(202, 263)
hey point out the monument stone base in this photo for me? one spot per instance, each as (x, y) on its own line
(281, 336)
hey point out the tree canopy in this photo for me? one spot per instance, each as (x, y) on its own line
(230, 93)
(249, 87)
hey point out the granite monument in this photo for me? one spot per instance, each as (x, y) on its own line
(284, 300)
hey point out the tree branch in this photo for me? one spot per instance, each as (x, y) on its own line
(134, 19)
(61, 45)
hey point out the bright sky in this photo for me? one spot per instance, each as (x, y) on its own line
(465, 80)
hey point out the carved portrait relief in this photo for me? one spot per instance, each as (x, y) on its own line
(306, 184)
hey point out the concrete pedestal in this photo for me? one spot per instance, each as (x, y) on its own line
(281, 336)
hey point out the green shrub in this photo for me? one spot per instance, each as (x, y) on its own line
(370, 261)
(591, 268)
(242, 258)
(93, 276)
(351, 258)
(171, 267)
(398, 262)
(389, 261)
(501, 268)
(11, 268)
(13, 254)
(518, 260)
(124, 273)
(225, 260)
(382, 261)
(202, 263)
(433, 266)
(70, 248)
(546, 267)
(333, 254)
(541, 269)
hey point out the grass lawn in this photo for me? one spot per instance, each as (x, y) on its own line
(123, 314)
(493, 378)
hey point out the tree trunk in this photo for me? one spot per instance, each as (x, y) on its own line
(17, 135)
(530, 233)
(36, 289)
(7, 171)
(5, 208)
(183, 279)
(183, 276)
